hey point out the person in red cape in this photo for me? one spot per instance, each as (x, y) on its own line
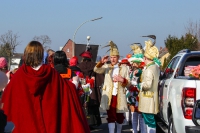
(39, 100)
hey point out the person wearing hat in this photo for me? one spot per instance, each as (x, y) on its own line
(73, 65)
(3, 118)
(73, 62)
(136, 61)
(113, 98)
(148, 95)
(89, 84)
(4, 68)
(3, 65)
(125, 62)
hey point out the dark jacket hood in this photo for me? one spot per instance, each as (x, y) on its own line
(60, 68)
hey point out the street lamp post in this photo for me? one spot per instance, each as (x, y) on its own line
(73, 46)
(88, 42)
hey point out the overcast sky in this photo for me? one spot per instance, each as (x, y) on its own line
(124, 21)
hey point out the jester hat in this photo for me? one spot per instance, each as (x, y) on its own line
(151, 51)
(113, 48)
(138, 51)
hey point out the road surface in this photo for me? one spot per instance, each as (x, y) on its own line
(104, 127)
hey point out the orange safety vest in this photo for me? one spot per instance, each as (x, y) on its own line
(68, 74)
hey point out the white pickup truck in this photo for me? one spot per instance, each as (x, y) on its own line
(178, 93)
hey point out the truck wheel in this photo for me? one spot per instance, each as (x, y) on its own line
(171, 128)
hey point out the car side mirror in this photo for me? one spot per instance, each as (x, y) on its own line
(196, 113)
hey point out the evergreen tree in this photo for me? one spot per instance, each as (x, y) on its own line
(166, 60)
(174, 44)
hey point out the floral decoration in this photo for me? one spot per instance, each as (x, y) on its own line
(195, 72)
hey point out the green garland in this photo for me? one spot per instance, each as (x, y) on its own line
(157, 61)
(138, 56)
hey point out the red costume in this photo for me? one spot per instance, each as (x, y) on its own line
(42, 102)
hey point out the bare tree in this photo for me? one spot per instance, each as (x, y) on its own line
(8, 43)
(193, 28)
(44, 40)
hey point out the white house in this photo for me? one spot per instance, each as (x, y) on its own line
(15, 60)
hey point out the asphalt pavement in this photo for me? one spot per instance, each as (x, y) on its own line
(103, 128)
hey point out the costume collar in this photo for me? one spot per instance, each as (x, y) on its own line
(116, 65)
(152, 63)
(119, 64)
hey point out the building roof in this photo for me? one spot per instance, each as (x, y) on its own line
(162, 52)
(17, 55)
(79, 48)
(66, 43)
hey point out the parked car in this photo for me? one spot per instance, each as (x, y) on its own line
(195, 119)
(178, 91)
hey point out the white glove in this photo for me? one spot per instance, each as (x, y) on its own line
(134, 81)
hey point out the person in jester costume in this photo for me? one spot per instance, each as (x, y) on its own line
(148, 95)
(137, 64)
(116, 79)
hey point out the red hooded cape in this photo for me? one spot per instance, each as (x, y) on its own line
(42, 102)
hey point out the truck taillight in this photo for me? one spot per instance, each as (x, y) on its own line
(188, 100)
